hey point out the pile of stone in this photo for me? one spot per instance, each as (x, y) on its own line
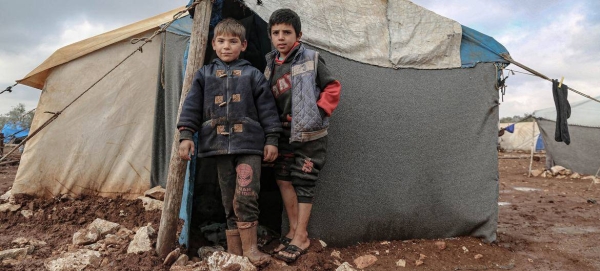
(558, 172)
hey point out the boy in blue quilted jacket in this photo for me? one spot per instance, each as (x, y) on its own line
(306, 94)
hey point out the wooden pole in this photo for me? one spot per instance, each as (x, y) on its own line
(177, 167)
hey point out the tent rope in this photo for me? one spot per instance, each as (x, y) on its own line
(55, 115)
(508, 58)
(9, 88)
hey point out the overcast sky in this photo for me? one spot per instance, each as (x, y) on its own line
(556, 37)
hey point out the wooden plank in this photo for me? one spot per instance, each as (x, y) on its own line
(177, 167)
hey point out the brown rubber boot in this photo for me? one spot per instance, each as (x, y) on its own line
(234, 242)
(249, 239)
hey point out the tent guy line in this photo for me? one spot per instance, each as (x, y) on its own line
(55, 115)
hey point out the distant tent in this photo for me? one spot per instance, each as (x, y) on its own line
(583, 154)
(409, 77)
(521, 137)
(14, 132)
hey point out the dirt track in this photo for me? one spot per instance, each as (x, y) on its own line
(544, 224)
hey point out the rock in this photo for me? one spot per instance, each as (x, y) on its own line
(8, 196)
(323, 244)
(9, 207)
(364, 261)
(441, 245)
(141, 241)
(157, 193)
(86, 236)
(418, 262)
(545, 174)
(422, 257)
(205, 252)
(556, 170)
(465, 250)
(478, 256)
(171, 257)
(125, 233)
(182, 260)
(37, 243)
(20, 241)
(566, 172)
(232, 267)
(15, 253)
(220, 260)
(575, 176)
(151, 204)
(77, 260)
(401, 263)
(27, 213)
(385, 243)
(104, 226)
(336, 254)
(561, 177)
(536, 172)
(345, 267)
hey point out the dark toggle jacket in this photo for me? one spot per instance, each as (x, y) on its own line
(232, 108)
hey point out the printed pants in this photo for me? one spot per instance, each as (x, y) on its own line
(239, 179)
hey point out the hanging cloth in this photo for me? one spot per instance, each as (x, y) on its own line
(563, 112)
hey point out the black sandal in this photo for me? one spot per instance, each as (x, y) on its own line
(285, 241)
(291, 249)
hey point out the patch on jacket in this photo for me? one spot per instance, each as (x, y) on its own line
(236, 98)
(238, 128)
(237, 72)
(221, 73)
(304, 67)
(218, 99)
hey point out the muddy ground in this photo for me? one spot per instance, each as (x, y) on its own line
(544, 224)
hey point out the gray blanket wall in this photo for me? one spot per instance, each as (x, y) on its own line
(412, 154)
(582, 155)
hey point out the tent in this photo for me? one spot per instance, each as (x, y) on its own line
(14, 131)
(522, 136)
(412, 146)
(582, 155)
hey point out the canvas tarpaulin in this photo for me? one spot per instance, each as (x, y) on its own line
(395, 33)
(583, 154)
(99, 145)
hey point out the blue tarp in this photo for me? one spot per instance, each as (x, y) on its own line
(14, 130)
(476, 47)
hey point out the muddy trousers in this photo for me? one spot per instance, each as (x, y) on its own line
(301, 163)
(239, 179)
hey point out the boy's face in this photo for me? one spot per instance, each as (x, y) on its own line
(283, 37)
(228, 47)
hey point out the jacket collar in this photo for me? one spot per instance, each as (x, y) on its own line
(273, 55)
(236, 63)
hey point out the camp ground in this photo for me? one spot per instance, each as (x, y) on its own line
(397, 168)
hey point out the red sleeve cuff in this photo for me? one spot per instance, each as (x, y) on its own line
(330, 97)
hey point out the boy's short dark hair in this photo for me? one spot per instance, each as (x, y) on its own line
(231, 27)
(285, 16)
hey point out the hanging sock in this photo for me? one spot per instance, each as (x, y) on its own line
(563, 112)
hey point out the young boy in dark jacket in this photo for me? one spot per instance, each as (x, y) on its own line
(232, 108)
(306, 94)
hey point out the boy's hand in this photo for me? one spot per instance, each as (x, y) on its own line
(270, 153)
(186, 148)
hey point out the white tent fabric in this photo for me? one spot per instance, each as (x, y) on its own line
(522, 137)
(585, 113)
(394, 33)
(101, 148)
